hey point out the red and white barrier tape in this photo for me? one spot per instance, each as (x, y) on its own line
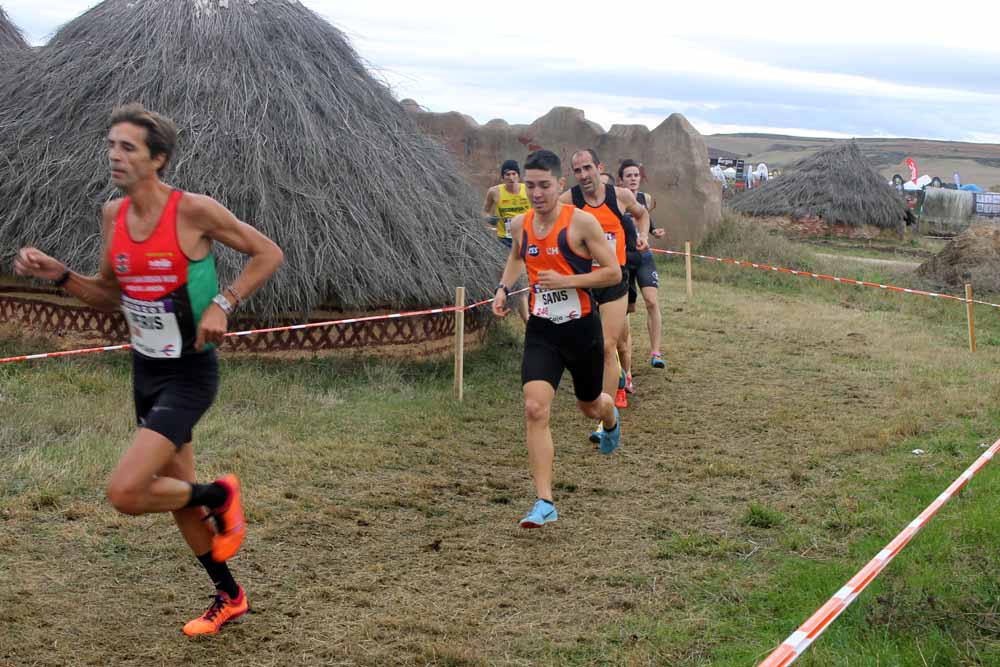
(250, 332)
(836, 279)
(809, 631)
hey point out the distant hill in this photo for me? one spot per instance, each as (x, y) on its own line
(975, 163)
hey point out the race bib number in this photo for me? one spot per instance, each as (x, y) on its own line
(153, 328)
(556, 305)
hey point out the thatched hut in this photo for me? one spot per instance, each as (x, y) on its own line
(835, 184)
(278, 119)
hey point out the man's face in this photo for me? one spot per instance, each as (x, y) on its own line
(128, 155)
(587, 173)
(543, 189)
(511, 178)
(631, 178)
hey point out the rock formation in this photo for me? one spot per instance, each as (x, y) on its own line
(674, 155)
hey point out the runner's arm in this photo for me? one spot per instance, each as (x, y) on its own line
(639, 214)
(99, 291)
(216, 222)
(512, 270)
(489, 208)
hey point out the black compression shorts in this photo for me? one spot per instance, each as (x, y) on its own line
(613, 293)
(171, 395)
(645, 276)
(576, 346)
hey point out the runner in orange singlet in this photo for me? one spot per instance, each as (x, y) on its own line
(566, 255)
(608, 204)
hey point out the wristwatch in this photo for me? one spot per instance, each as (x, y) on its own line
(223, 303)
(506, 290)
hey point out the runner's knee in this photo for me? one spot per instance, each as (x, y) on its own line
(590, 409)
(125, 497)
(536, 411)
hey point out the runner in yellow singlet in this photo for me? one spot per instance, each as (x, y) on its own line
(503, 203)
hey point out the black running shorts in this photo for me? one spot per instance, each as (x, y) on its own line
(576, 346)
(613, 293)
(645, 276)
(171, 395)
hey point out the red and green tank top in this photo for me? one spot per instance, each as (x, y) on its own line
(610, 217)
(164, 292)
(552, 253)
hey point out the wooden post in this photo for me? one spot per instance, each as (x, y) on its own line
(459, 341)
(687, 269)
(969, 315)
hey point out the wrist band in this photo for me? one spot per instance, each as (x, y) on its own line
(61, 280)
(236, 295)
(506, 290)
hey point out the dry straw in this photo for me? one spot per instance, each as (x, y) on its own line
(278, 119)
(836, 184)
(12, 44)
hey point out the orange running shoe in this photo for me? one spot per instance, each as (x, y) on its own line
(221, 611)
(232, 526)
(621, 399)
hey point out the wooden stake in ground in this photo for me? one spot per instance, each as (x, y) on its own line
(459, 341)
(687, 269)
(969, 315)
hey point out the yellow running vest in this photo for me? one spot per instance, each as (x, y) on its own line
(510, 206)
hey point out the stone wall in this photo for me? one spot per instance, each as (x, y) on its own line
(674, 155)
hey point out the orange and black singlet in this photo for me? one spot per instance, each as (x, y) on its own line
(164, 293)
(610, 217)
(552, 253)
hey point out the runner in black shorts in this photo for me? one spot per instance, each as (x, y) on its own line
(645, 276)
(559, 246)
(157, 265)
(607, 203)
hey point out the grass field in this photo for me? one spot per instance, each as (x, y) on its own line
(758, 473)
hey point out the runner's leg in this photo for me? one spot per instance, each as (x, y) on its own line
(538, 395)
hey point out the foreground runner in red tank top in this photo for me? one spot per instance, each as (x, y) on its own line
(558, 244)
(157, 266)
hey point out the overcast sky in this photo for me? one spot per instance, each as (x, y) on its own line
(842, 68)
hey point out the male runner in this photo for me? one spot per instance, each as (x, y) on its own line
(608, 204)
(157, 266)
(503, 202)
(645, 276)
(565, 254)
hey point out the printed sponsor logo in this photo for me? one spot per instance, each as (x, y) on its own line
(533, 250)
(122, 264)
(163, 264)
(552, 251)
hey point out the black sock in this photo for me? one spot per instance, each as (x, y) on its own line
(208, 495)
(221, 576)
(546, 500)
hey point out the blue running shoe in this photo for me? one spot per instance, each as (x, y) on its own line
(595, 437)
(656, 361)
(611, 439)
(542, 512)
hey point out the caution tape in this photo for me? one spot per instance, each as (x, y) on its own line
(251, 332)
(809, 631)
(821, 276)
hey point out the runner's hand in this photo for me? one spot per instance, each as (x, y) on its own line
(212, 327)
(641, 244)
(34, 263)
(500, 308)
(658, 233)
(552, 280)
